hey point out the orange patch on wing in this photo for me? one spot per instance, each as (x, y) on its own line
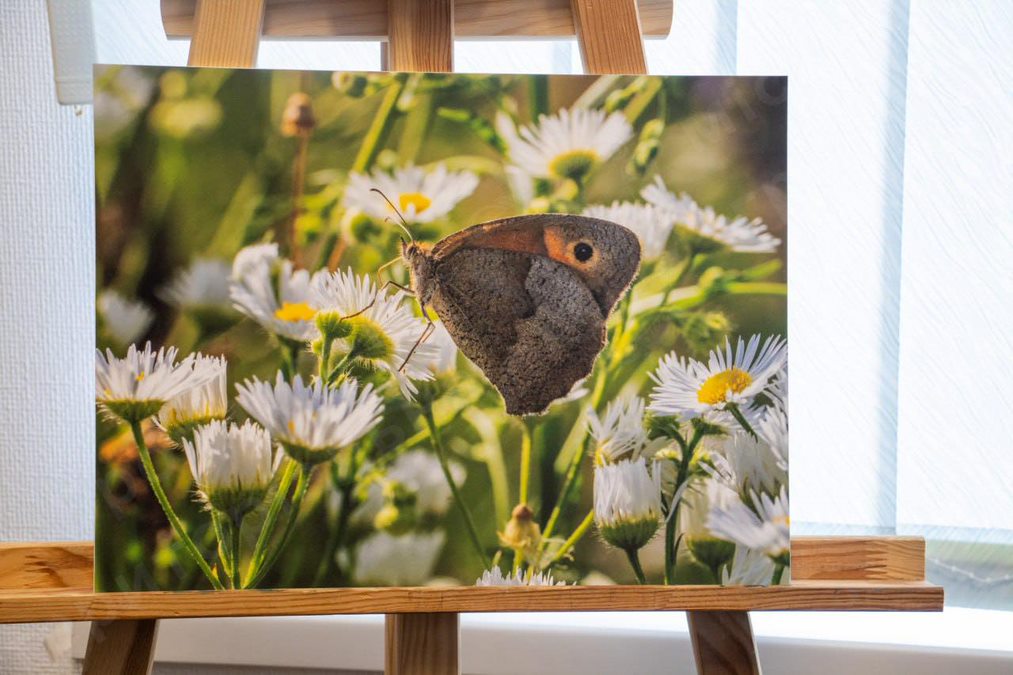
(556, 247)
(498, 236)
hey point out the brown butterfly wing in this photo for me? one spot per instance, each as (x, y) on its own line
(480, 297)
(528, 322)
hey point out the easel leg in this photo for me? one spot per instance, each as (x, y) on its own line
(723, 643)
(422, 644)
(120, 647)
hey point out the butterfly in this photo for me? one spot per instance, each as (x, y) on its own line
(526, 299)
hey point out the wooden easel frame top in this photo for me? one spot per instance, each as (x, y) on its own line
(42, 582)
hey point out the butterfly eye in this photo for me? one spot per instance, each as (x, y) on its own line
(583, 252)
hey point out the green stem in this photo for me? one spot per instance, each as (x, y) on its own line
(581, 530)
(237, 526)
(337, 375)
(778, 573)
(672, 523)
(525, 477)
(634, 558)
(538, 96)
(434, 434)
(378, 129)
(163, 500)
(223, 549)
(641, 100)
(271, 520)
(302, 484)
(325, 357)
(287, 360)
(741, 419)
(564, 493)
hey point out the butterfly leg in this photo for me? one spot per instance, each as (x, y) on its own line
(426, 332)
(376, 295)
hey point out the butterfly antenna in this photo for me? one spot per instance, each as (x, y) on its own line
(403, 224)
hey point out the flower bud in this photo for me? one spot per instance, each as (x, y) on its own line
(522, 533)
(627, 503)
(298, 119)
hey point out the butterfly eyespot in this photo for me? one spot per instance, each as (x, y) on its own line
(583, 252)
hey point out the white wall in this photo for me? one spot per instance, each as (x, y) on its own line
(46, 311)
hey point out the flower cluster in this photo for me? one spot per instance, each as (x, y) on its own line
(326, 424)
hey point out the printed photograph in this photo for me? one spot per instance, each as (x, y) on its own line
(407, 329)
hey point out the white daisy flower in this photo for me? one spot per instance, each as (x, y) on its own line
(620, 433)
(383, 334)
(627, 503)
(232, 465)
(418, 472)
(312, 422)
(202, 285)
(495, 577)
(766, 529)
(383, 559)
(122, 319)
(138, 385)
(746, 464)
(197, 405)
(689, 388)
(286, 312)
(709, 228)
(421, 196)
(568, 144)
(772, 428)
(252, 257)
(652, 225)
(748, 567)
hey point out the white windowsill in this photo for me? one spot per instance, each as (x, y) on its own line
(957, 640)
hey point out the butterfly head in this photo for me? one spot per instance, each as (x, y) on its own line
(418, 258)
(604, 254)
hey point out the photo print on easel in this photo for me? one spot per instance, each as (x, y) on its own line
(391, 329)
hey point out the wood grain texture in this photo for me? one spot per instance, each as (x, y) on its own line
(57, 565)
(422, 644)
(855, 558)
(610, 37)
(367, 19)
(52, 582)
(40, 606)
(120, 648)
(226, 33)
(421, 36)
(723, 643)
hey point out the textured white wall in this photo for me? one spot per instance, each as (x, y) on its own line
(46, 304)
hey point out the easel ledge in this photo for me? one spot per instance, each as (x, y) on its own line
(42, 582)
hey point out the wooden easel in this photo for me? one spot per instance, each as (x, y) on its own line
(42, 582)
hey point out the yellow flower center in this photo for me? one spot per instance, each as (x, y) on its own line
(715, 389)
(140, 376)
(574, 164)
(295, 311)
(416, 199)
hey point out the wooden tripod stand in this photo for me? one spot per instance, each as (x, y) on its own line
(42, 582)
